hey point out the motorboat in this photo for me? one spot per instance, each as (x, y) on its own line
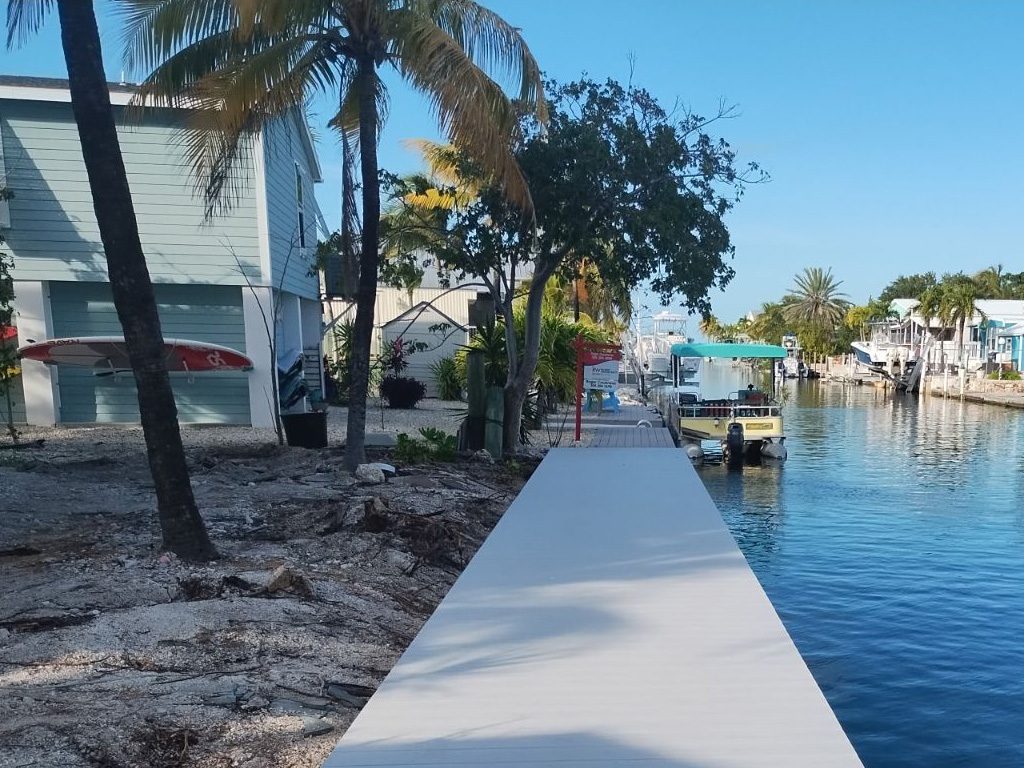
(747, 423)
(650, 354)
(792, 366)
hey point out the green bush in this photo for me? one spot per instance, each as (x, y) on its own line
(442, 445)
(1005, 375)
(402, 391)
(436, 445)
(449, 378)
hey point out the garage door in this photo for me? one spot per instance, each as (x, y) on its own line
(201, 312)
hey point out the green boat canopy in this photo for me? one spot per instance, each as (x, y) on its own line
(729, 350)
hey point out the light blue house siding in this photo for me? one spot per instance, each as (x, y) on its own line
(200, 312)
(217, 277)
(288, 168)
(53, 231)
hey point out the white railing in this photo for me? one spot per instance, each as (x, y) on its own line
(729, 410)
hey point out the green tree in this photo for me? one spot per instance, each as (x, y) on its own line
(859, 318)
(958, 307)
(929, 306)
(617, 182)
(996, 283)
(249, 63)
(182, 527)
(770, 323)
(815, 300)
(907, 287)
(711, 327)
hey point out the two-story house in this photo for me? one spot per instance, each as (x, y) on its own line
(222, 278)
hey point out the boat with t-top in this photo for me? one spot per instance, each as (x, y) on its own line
(748, 423)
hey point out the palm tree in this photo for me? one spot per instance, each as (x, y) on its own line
(256, 60)
(929, 306)
(711, 328)
(816, 299)
(991, 283)
(769, 325)
(182, 527)
(587, 296)
(413, 221)
(959, 306)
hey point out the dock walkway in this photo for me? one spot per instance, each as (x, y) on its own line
(608, 620)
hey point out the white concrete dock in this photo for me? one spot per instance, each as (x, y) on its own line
(609, 620)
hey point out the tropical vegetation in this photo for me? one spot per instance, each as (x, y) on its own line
(826, 322)
(619, 185)
(246, 64)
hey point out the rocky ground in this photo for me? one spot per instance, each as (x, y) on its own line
(114, 655)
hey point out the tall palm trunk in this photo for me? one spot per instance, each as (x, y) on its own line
(182, 527)
(366, 293)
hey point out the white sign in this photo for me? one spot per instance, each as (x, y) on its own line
(602, 376)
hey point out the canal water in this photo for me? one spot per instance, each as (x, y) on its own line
(892, 545)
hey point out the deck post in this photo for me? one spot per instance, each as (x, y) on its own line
(476, 400)
(495, 420)
(578, 344)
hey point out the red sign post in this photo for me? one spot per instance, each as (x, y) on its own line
(589, 354)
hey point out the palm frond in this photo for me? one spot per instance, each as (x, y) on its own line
(495, 46)
(471, 108)
(154, 30)
(24, 18)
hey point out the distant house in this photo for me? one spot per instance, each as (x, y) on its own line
(463, 307)
(992, 335)
(436, 334)
(217, 278)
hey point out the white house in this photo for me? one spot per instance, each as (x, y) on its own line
(442, 318)
(989, 334)
(216, 278)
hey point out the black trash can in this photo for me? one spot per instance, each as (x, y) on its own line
(305, 430)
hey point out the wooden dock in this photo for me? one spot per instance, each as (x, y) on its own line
(608, 620)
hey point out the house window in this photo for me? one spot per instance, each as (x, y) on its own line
(301, 207)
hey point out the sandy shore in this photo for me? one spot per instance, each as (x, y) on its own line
(113, 654)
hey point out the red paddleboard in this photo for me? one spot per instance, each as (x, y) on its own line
(8, 333)
(110, 353)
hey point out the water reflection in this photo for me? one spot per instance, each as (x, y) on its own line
(892, 544)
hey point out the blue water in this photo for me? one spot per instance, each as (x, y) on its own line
(892, 545)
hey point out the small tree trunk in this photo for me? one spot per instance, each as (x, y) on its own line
(182, 527)
(366, 293)
(518, 384)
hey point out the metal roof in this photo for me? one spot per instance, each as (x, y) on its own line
(729, 350)
(22, 81)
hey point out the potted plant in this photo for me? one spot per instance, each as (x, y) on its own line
(400, 391)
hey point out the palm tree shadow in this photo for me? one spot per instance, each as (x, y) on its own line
(536, 751)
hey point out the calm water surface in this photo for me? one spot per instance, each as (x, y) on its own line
(892, 545)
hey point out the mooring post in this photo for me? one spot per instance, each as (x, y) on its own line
(495, 421)
(476, 400)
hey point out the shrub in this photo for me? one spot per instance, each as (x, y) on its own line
(410, 451)
(436, 445)
(450, 381)
(442, 445)
(402, 391)
(338, 378)
(1005, 375)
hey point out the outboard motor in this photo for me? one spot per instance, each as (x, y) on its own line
(734, 444)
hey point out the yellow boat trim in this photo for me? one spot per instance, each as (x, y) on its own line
(754, 428)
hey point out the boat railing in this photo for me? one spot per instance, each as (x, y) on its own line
(728, 410)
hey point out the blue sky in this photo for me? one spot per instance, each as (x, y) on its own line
(891, 129)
